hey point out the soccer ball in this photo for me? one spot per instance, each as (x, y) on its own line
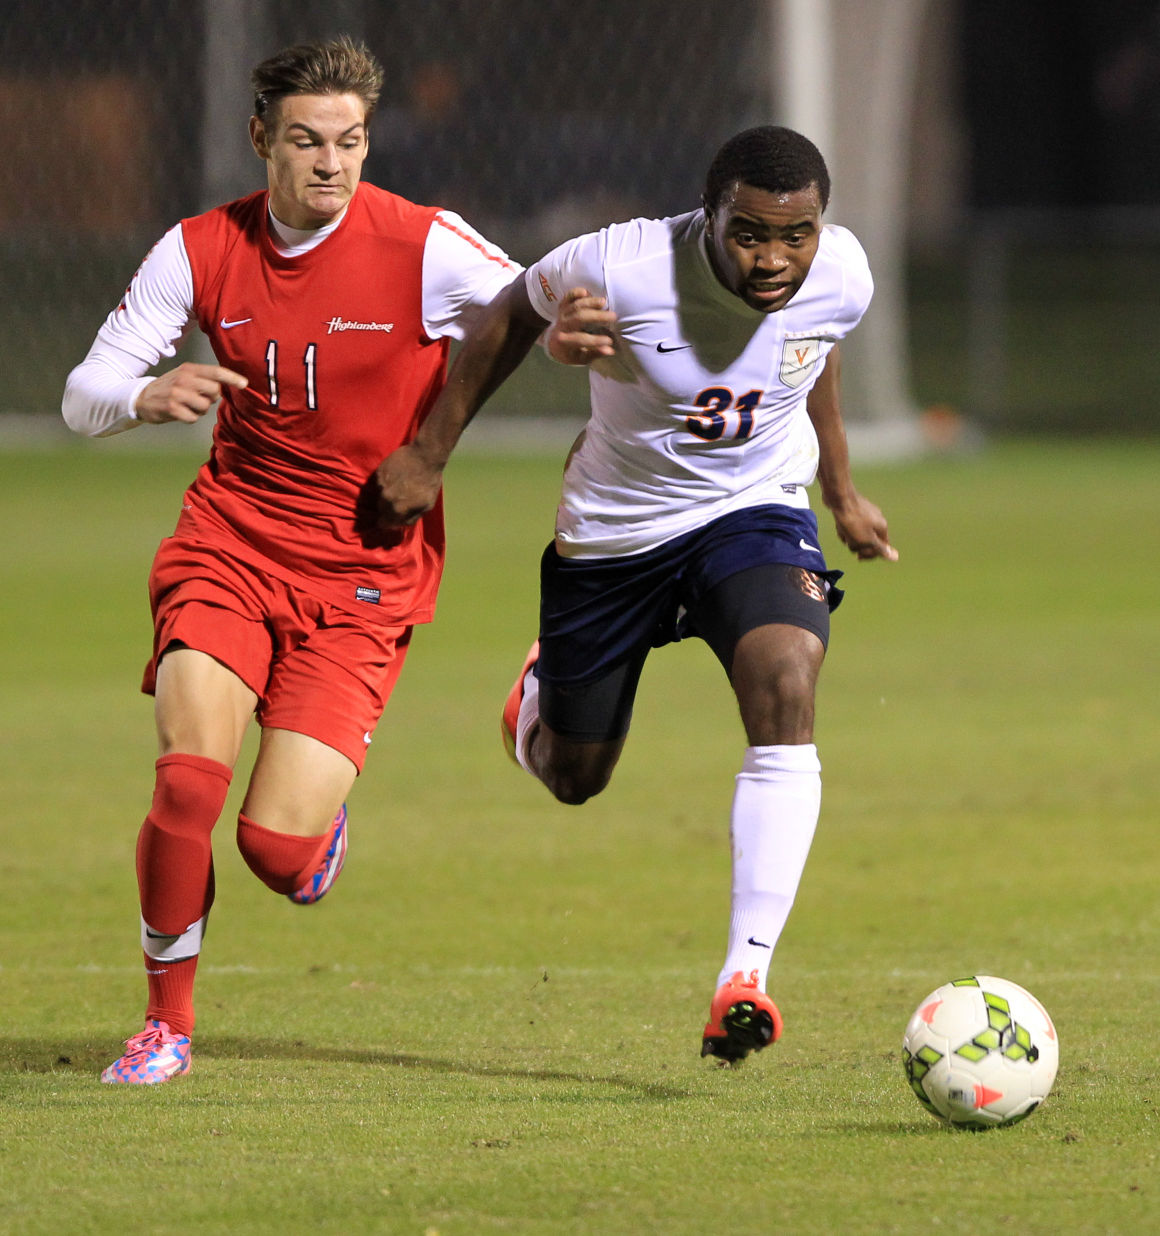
(980, 1052)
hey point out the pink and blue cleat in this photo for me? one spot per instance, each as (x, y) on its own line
(317, 886)
(154, 1055)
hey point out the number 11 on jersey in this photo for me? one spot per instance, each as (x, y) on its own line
(272, 374)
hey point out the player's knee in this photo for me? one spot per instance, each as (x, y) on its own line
(571, 790)
(779, 708)
(792, 693)
(189, 793)
(574, 784)
(574, 771)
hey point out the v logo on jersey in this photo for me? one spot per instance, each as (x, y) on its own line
(799, 358)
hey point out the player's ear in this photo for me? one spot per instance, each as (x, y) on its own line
(708, 215)
(258, 138)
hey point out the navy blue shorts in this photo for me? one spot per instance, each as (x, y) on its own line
(599, 617)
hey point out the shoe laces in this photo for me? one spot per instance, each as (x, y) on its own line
(155, 1035)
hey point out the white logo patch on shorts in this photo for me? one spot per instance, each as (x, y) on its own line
(799, 357)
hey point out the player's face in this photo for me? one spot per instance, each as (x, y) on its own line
(314, 150)
(762, 244)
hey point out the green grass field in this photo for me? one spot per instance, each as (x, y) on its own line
(493, 1023)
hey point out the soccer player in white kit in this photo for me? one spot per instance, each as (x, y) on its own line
(712, 345)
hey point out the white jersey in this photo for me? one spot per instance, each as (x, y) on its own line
(462, 272)
(702, 410)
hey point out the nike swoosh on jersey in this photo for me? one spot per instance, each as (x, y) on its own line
(680, 347)
(230, 325)
(813, 549)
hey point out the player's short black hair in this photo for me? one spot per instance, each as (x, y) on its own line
(767, 157)
(337, 66)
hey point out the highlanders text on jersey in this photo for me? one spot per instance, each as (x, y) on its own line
(702, 410)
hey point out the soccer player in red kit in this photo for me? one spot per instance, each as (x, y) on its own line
(329, 305)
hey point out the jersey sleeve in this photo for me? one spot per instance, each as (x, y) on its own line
(577, 263)
(462, 273)
(857, 283)
(153, 317)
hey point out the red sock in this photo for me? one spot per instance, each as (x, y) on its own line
(175, 873)
(171, 992)
(281, 861)
(174, 853)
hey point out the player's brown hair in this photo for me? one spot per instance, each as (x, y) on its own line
(337, 66)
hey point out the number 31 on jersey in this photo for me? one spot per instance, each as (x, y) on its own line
(722, 414)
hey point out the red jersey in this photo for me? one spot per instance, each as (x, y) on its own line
(341, 372)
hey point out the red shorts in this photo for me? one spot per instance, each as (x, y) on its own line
(316, 669)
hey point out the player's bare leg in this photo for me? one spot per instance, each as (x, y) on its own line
(774, 676)
(200, 707)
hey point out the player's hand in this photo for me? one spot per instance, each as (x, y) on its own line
(409, 487)
(580, 333)
(186, 393)
(862, 528)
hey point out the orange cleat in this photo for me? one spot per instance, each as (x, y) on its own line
(511, 708)
(741, 1019)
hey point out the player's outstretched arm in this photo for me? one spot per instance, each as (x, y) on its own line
(409, 479)
(185, 393)
(861, 525)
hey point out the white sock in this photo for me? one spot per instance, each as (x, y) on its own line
(775, 811)
(529, 716)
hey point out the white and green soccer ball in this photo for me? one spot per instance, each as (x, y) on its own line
(980, 1052)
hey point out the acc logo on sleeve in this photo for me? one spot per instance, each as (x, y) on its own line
(799, 359)
(547, 288)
